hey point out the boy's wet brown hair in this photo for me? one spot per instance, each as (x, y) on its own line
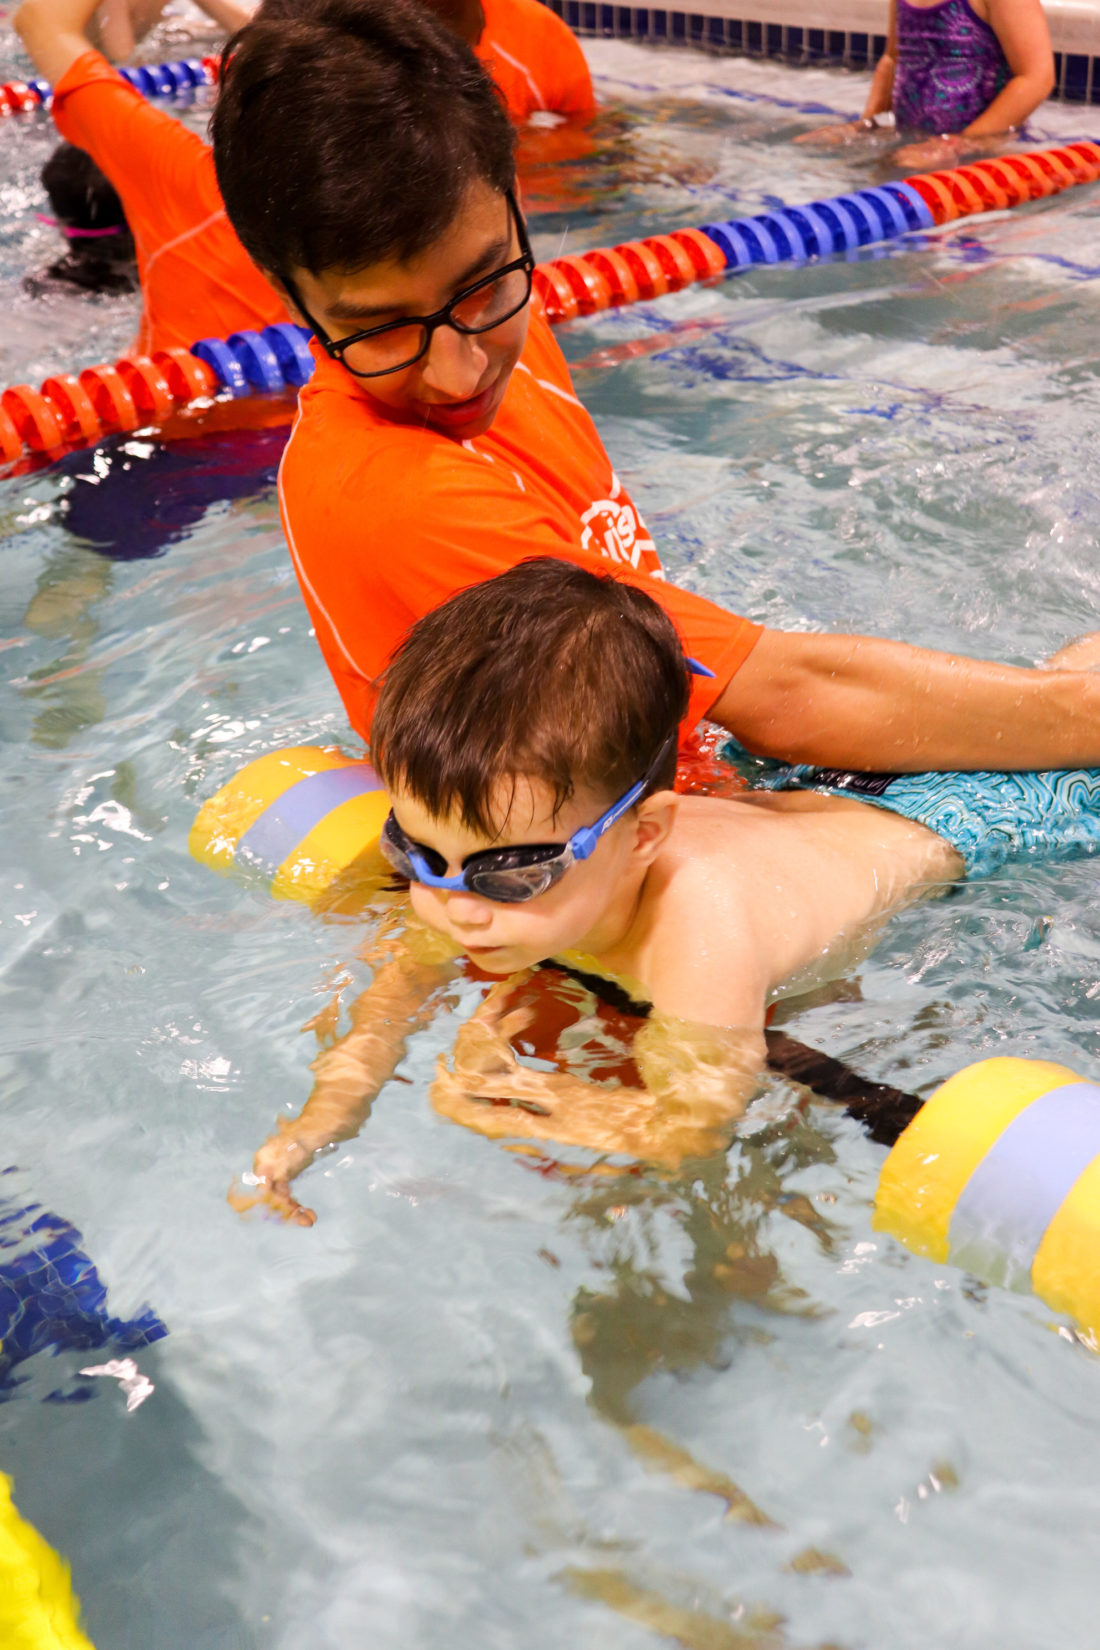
(348, 132)
(547, 672)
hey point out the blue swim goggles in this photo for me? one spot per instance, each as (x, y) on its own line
(510, 876)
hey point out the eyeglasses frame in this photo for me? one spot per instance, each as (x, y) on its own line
(336, 349)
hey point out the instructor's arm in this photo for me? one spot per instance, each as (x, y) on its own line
(54, 32)
(857, 702)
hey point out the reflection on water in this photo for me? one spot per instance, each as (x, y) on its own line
(128, 502)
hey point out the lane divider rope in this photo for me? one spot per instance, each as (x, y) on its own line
(137, 391)
(19, 97)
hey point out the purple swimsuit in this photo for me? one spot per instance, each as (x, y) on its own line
(950, 66)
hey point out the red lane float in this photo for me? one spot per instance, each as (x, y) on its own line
(189, 379)
(11, 442)
(34, 418)
(73, 406)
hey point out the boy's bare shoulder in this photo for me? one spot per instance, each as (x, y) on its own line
(808, 829)
(697, 944)
(758, 889)
(724, 864)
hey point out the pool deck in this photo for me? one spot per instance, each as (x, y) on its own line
(848, 32)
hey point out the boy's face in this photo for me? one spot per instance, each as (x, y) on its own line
(589, 909)
(458, 385)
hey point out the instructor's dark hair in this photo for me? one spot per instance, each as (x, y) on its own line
(349, 131)
(547, 671)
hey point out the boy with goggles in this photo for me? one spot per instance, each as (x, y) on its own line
(526, 734)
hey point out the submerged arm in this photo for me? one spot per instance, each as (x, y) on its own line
(347, 1077)
(858, 702)
(697, 1080)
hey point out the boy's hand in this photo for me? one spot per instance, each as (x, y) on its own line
(483, 1047)
(276, 1164)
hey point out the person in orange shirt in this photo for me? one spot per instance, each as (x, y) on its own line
(428, 514)
(534, 57)
(196, 278)
(441, 441)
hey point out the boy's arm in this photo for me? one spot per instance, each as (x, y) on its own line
(348, 1076)
(697, 1080)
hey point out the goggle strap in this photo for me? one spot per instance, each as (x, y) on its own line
(584, 841)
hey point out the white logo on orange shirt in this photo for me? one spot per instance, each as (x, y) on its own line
(613, 528)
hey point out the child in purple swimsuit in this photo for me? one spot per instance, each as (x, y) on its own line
(965, 70)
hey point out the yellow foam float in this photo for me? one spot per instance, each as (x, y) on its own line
(306, 819)
(38, 1610)
(999, 1173)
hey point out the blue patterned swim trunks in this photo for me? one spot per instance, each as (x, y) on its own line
(988, 817)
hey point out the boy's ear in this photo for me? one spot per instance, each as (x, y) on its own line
(653, 823)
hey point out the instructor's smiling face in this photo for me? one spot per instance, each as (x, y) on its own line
(458, 384)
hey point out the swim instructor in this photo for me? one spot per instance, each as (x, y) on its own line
(365, 161)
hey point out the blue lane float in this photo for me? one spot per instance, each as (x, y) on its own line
(270, 361)
(839, 224)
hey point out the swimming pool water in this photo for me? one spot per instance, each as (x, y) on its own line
(464, 1408)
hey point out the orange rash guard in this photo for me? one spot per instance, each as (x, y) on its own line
(535, 59)
(385, 520)
(197, 280)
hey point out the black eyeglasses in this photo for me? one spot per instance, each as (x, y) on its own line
(397, 344)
